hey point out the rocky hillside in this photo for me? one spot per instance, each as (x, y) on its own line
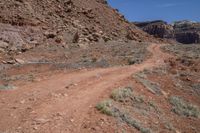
(25, 24)
(182, 31)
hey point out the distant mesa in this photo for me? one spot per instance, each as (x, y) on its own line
(185, 31)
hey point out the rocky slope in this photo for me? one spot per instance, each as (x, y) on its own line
(182, 31)
(26, 23)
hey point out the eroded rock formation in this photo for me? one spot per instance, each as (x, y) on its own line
(182, 31)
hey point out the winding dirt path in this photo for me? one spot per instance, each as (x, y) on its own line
(61, 102)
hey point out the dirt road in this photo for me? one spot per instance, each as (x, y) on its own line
(61, 102)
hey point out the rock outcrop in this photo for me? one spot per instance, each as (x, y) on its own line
(186, 32)
(188, 37)
(157, 28)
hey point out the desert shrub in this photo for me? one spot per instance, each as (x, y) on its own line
(132, 61)
(184, 108)
(170, 127)
(6, 87)
(186, 51)
(113, 108)
(121, 94)
(26, 77)
(151, 86)
(196, 86)
(138, 99)
(134, 123)
(153, 105)
(105, 107)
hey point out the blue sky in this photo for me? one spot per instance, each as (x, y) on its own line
(168, 10)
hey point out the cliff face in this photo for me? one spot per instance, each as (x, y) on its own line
(157, 28)
(188, 37)
(182, 31)
(187, 32)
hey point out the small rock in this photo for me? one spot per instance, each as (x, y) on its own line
(35, 128)
(75, 84)
(32, 99)
(2, 50)
(19, 128)
(29, 108)
(114, 34)
(50, 34)
(38, 79)
(176, 131)
(10, 62)
(101, 32)
(67, 87)
(4, 62)
(83, 46)
(22, 101)
(59, 39)
(65, 95)
(14, 107)
(59, 114)
(20, 61)
(76, 37)
(13, 48)
(106, 38)
(41, 121)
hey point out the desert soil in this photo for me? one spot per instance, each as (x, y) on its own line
(61, 102)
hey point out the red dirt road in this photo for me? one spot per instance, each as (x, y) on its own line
(61, 102)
